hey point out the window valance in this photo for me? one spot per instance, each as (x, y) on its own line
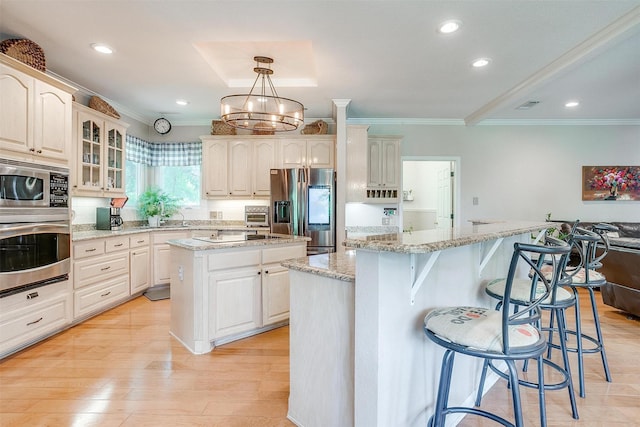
(164, 153)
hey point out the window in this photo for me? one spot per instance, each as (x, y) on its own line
(175, 167)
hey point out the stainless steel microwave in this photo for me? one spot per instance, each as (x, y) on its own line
(33, 190)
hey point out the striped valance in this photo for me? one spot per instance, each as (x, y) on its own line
(164, 153)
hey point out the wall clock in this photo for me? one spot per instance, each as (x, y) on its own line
(162, 126)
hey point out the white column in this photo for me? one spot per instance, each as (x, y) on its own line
(340, 117)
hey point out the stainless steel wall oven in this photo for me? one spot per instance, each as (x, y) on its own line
(35, 230)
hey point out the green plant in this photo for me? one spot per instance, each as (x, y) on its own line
(153, 201)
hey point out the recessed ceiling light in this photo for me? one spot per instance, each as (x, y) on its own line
(182, 102)
(450, 26)
(572, 104)
(481, 62)
(102, 48)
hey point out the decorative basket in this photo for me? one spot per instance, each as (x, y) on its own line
(25, 51)
(262, 128)
(319, 127)
(219, 127)
(101, 105)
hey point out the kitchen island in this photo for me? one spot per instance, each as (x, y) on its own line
(371, 360)
(224, 288)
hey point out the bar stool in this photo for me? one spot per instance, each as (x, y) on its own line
(496, 335)
(559, 300)
(594, 246)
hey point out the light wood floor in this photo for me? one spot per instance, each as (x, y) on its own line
(123, 369)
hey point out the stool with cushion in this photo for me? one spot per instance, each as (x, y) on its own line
(496, 334)
(556, 304)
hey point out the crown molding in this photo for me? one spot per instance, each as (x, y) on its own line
(497, 122)
(405, 121)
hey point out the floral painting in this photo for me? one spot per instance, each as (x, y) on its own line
(611, 183)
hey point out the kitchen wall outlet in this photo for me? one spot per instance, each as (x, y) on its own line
(389, 211)
(386, 221)
(219, 214)
(213, 215)
(475, 201)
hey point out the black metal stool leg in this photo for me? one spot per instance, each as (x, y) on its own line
(596, 319)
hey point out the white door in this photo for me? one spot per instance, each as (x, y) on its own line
(445, 206)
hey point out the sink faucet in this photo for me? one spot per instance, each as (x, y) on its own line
(184, 224)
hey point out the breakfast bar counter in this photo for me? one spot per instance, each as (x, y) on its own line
(358, 353)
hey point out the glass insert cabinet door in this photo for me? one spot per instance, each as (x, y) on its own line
(91, 172)
(115, 159)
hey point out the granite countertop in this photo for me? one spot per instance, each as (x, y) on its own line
(204, 244)
(340, 265)
(438, 239)
(100, 234)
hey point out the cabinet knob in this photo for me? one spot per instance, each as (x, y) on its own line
(266, 272)
(259, 273)
(39, 151)
(32, 149)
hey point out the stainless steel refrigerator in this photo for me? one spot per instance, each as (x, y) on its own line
(303, 203)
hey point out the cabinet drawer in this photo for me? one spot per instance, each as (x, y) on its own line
(116, 244)
(139, 240)
(101, 295)
(22, 326)
(273, 255)
(87, 249)
(35, 296)
(221, 260)
(90, 270)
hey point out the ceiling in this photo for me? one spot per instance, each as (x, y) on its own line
(387, 57)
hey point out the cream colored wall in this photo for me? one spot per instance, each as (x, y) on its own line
(525, 172)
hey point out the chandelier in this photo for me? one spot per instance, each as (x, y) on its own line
(261, 111)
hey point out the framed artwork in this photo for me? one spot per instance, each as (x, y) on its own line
(611, 183)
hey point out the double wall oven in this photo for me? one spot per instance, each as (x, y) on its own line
(35, 229)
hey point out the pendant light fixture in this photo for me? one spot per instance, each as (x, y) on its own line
(262, 111)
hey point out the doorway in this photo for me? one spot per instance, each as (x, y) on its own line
(429, 193)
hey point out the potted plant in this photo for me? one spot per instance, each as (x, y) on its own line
(155, 205)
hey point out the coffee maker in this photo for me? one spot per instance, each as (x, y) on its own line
(108, 219)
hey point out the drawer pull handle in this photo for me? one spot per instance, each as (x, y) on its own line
(104, 295)
(90, 250)
(140, 241)
(34, 322)
(33, 295)
(105, 268)
(118, 245)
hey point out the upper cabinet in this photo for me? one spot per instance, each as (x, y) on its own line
(316, 152)
(35, 115)
(99, 141)
(238, 166)
(373, 167)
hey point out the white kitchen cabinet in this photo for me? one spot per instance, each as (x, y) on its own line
(235, 298)
(383, 169)
(35, 124)
(222, 295)
(214, 168)
(238, 167)
(99, 162)
(265, 157)
(32, 315)
(139, 263)
(317, 152)
(161, 258)
(100, 274)
(356, 182)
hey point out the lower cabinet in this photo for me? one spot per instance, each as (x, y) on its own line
(32, 315)
(162, 256)
(235, 301)
(139, 263)
(100, 274)
(275, 294)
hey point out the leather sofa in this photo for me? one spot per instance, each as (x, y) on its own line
(621, 267)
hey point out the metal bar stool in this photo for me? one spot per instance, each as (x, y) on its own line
(594, 246)
(496, 334)
(559, 300)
